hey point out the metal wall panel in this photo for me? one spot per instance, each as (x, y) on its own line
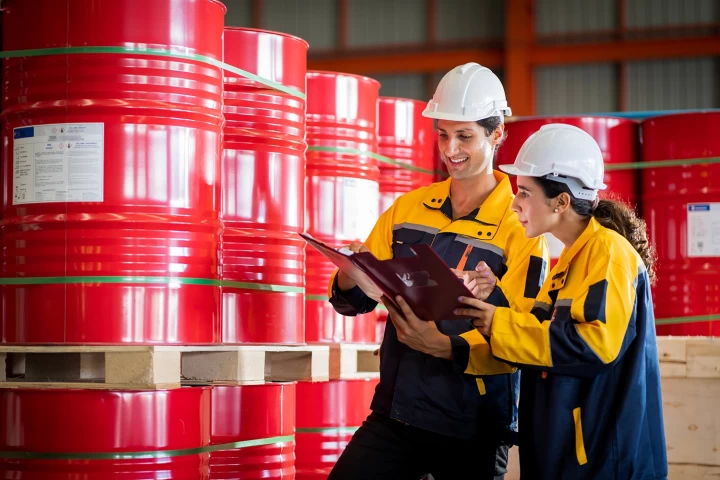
(574, 16)
(656, 13)
(673, 84)
(315, 21)
(384, 22)
(470, 20)
(576, 89)
(405, 86)
(239, 13)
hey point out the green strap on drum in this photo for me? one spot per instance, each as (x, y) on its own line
(610, 167)
(150, 281)
(327, 430)
(153, 52)
(147, 454)
(376, 156)
(678, 320)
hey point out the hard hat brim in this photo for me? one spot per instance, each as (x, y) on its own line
(513, 170)
(518, 172)
(455, 117)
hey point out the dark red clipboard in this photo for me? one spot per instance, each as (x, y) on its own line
(425, 281)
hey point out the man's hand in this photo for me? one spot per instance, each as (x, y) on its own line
(346, 283)
(418, 334)
(481, 312)
(480, 282)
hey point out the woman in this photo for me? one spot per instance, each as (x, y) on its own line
(590, 398)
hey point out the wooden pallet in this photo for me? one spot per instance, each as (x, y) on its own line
(159, 367)
(353, 361)
(690, 370)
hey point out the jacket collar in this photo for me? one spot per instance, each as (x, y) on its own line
(559, 273)
(490, 212)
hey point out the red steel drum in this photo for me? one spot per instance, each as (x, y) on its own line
(253, 412)
(111, 170)
(328, 413)
(342, 192)
(58, 434)
(618, 141)
(682, 208)
(263, 190)
(405, 136)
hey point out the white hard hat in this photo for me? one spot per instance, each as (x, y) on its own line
(468, 93)
(562, 153)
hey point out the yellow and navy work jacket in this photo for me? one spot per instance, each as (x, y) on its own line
(590, 403)
(452, 397)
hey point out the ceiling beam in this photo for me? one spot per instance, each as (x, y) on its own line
(413, 61)
(625, 50)
(424, 60)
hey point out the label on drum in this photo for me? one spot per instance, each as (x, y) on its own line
(554, 245)
(703, 229)
(58, 163)
(360, 205)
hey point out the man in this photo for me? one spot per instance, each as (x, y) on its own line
(433, 412)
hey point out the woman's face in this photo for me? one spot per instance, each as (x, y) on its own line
(465, 148)
(533, 208)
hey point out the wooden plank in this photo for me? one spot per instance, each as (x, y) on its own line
(692, 472)
(3, 366)
(703, 358)
(311, 363)
(367, 361)
(692, 427)
(673, 370)
(672, 349)
(352, 360)
(145, 369)
(240, 365)
(88, 385)
(360, 375)
(342, 361)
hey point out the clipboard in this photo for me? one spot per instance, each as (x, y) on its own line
(426, 283)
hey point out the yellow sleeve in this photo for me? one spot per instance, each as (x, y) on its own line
(480, 359)
(585, 334)
(526, 272)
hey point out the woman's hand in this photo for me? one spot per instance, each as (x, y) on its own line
(482, 313)
(480, 282)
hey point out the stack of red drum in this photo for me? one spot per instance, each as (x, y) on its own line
(263, 190)
(57, 434)
(342, 192)
(263, 418)
(110, 215)
(327, 416)
(681, 205)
